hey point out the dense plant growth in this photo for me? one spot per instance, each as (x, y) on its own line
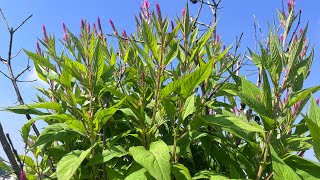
(168, 103)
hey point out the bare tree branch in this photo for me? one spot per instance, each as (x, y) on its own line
(6, 147)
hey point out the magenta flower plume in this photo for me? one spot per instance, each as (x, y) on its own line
(295, 37)
(124, 34)
(282, 23)
(318, 100)
(99, 25)
(295, 108)
(82, 24)
(217, 39)
(142, 77)
(301, 31)
(46, 39)
(112, 26)
(23, 175)
(281, 37)
(172, 26)
(95, 29)
(291, 4)
(88, 27)
(38, 48)
(65, 33)
(158, 11)
(183, 12)
(145, 5)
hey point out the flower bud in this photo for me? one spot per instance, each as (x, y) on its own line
(38, 48)
(158, 11)
(183, 13)
(46, 39)
(112, 26)
(23, 175)
(82, 24)
(99, 25)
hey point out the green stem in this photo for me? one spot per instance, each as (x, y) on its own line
(265, 155)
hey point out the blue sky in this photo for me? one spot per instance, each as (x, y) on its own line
(234, 18)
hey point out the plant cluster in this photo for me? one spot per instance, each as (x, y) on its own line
(169, 103)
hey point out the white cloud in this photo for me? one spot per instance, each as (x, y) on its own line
(32, 75)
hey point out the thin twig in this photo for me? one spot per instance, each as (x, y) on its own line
(5, 20)
(295, 30)
(16, 54)
(5, 75)
(26, 69)
(198, 14)
(22, 23)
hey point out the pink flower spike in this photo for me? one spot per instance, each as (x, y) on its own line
(172, 26)
(95, 29)
(23, 175)
(112, 26)
(65, 34)
(82, 24)
(291, 4)
(46, 39)
(158, 11)
(282, 23)
(99, 25)
(124, 34)
(281, 37)
(235, 110)
(88, 27)
(295, 37)
(142, 77)
(295, 108)
(145, 5)
(284, 14)
(217, 39)
(183, 12)
(318, 100)
(301, 31)
(38, 48)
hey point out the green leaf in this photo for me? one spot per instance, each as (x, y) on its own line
(281, 170)
(188, 107)
(189, 82)
(313, 122)
(150, 39)
(276, 66)
(141, 174)
(56, 132)
(5, 167)
(40, 60)
(298, 96)
(30, 108)
(305, 168)
(251, 95)
(209, 174)
(233, 125)
(180, 171)
(108, 154)
(267, 96)
(69, 164)
(103, 115)
(156, 160)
